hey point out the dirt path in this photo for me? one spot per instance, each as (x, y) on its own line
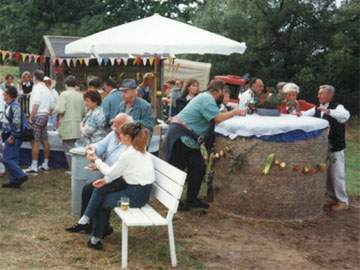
(220, 242)
(32, 236)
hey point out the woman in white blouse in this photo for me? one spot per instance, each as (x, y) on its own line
(131, 176)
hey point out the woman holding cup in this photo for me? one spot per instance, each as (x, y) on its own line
(134, 174)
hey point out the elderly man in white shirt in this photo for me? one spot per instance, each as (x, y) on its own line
(256, 87)
(40, 106)
(336, 115)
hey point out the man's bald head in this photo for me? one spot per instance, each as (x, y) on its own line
(120, 120)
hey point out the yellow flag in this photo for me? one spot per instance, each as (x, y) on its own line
(3, 54)
(23, 56)
(151, 60)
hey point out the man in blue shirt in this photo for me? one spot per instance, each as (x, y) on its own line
(111, 102)
(137, 108)
(194, 122)
(108, 149)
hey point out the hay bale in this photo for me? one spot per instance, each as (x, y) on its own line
(283, 194)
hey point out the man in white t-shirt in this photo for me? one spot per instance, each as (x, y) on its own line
(40, 106)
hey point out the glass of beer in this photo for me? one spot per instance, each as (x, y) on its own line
(124, 203)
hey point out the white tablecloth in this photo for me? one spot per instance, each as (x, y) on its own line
(256, 125)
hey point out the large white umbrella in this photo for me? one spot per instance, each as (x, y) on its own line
(154, 35)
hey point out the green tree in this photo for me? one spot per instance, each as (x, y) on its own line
(308, 42)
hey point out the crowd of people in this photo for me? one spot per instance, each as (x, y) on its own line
(115, 122)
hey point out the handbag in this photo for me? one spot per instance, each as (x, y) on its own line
(26, 130)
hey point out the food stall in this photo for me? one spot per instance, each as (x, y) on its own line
(271, 167)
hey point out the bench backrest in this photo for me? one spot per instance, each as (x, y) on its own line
(169, 184)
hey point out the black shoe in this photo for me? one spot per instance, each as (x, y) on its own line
(78, 228)
(183, 206)
(23, 179)
(11, 185)
(109, 231)
(198, 204)
(97, 246)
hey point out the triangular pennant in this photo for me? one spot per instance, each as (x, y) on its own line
(86, 61)
(41, 59)
(100, 60)
(68, 61)
(60, 61)
(137, 61)
(24, 56)
(4, 54)
(36, 58)
(125, 60)
(118, 61)
(112, 60)
(144, 60)
(151, 60)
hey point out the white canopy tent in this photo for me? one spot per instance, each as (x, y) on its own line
(154, 35)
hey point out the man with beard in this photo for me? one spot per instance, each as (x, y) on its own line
(187, 130)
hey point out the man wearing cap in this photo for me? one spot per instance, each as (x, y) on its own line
(337, 116)
(137, 108)
(111, 102)
(40, 106)
(144, 89)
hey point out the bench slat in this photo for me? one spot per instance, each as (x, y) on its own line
(169, 170)
(165, 198)
(133, 217)
(154, 216)
(168, 185)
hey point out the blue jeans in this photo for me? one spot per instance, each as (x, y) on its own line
(11, 159)
(98, 195)
(138, 195)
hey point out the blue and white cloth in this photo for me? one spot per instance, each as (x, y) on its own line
(94, 126)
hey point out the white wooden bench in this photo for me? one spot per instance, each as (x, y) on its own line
(167, 189)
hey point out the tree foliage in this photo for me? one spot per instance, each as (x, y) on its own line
(24, 22)
(307, 42)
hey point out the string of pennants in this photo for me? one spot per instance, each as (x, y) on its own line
(41, 59)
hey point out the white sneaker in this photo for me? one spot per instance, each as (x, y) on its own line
(44, 167)
(31, 170)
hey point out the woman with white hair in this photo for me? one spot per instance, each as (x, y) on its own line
(290, 104)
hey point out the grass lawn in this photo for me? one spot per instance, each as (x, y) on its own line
(32, 236)
(352, 155)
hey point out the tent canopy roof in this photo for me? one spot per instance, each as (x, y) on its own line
(154, 35)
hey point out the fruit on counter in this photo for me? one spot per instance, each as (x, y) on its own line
(217, 155)
(311, 170)
(268, 162)
(277, 162)
(282, 165)
(321, 167)
(297, 168)
(221, 153)
(306, 170)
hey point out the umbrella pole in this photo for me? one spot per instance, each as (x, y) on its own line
(155, 89)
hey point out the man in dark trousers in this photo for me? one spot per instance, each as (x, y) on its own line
(187, 130)
(336, 115)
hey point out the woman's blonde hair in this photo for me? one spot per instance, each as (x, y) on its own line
(139, 135)
(290, 87)
(25, 73)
